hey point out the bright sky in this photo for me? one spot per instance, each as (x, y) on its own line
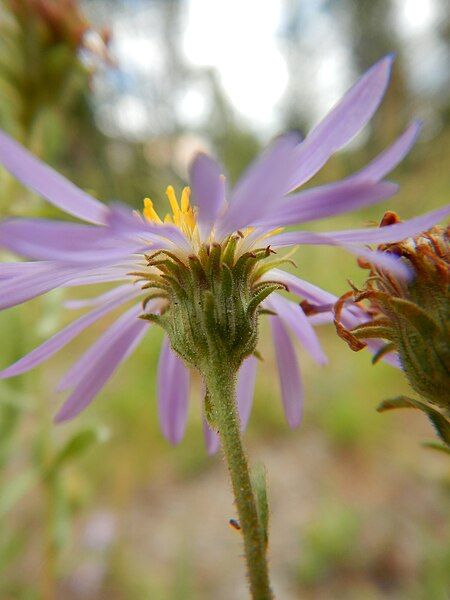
(239, 40)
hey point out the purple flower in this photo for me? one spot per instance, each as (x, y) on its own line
(114, 242)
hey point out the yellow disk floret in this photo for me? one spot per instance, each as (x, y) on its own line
(149, 212)
(183, 215)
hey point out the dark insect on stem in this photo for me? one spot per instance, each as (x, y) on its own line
(235, 524)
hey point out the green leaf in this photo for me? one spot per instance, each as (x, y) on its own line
(439, 421)
(77, 445)
(436, 446)
(385, 349)
(416, 315)
(366, 332)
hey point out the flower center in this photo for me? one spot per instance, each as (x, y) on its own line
(184, 216)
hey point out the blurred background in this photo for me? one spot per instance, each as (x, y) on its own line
(118, 95)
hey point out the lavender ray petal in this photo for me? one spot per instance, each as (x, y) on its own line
(300, 287)
(31, 281)
(12, 270)
(125, 222)
(391, 233)
(81, 367)
(16, 271)
(342, 123)
(383, 259)
(22, 288)
(321, 318)
(41, 178)
(173, 394)
(106, 275)
(88, 258)
(49, 240)
(295, 319)
(326, 201)
(289, 373)
(208, 188)
(260, 187)
(59, 234)
(385, 162)
(63, 337)
(102, 298)
(296, 238)
(245, 389)
(102, 370)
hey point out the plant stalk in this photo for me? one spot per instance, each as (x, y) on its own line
(221, 384)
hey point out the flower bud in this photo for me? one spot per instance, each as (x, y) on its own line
(413, 317)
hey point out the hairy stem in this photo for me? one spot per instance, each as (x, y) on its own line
(220, 381)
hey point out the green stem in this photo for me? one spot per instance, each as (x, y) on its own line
(220, 382)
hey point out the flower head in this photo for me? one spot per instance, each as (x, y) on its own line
(208, 268)
(412, 317)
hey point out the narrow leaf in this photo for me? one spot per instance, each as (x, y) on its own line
(77, 445)
(438, 420)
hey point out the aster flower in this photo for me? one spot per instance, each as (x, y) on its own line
(409, 320)
(219, 242)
